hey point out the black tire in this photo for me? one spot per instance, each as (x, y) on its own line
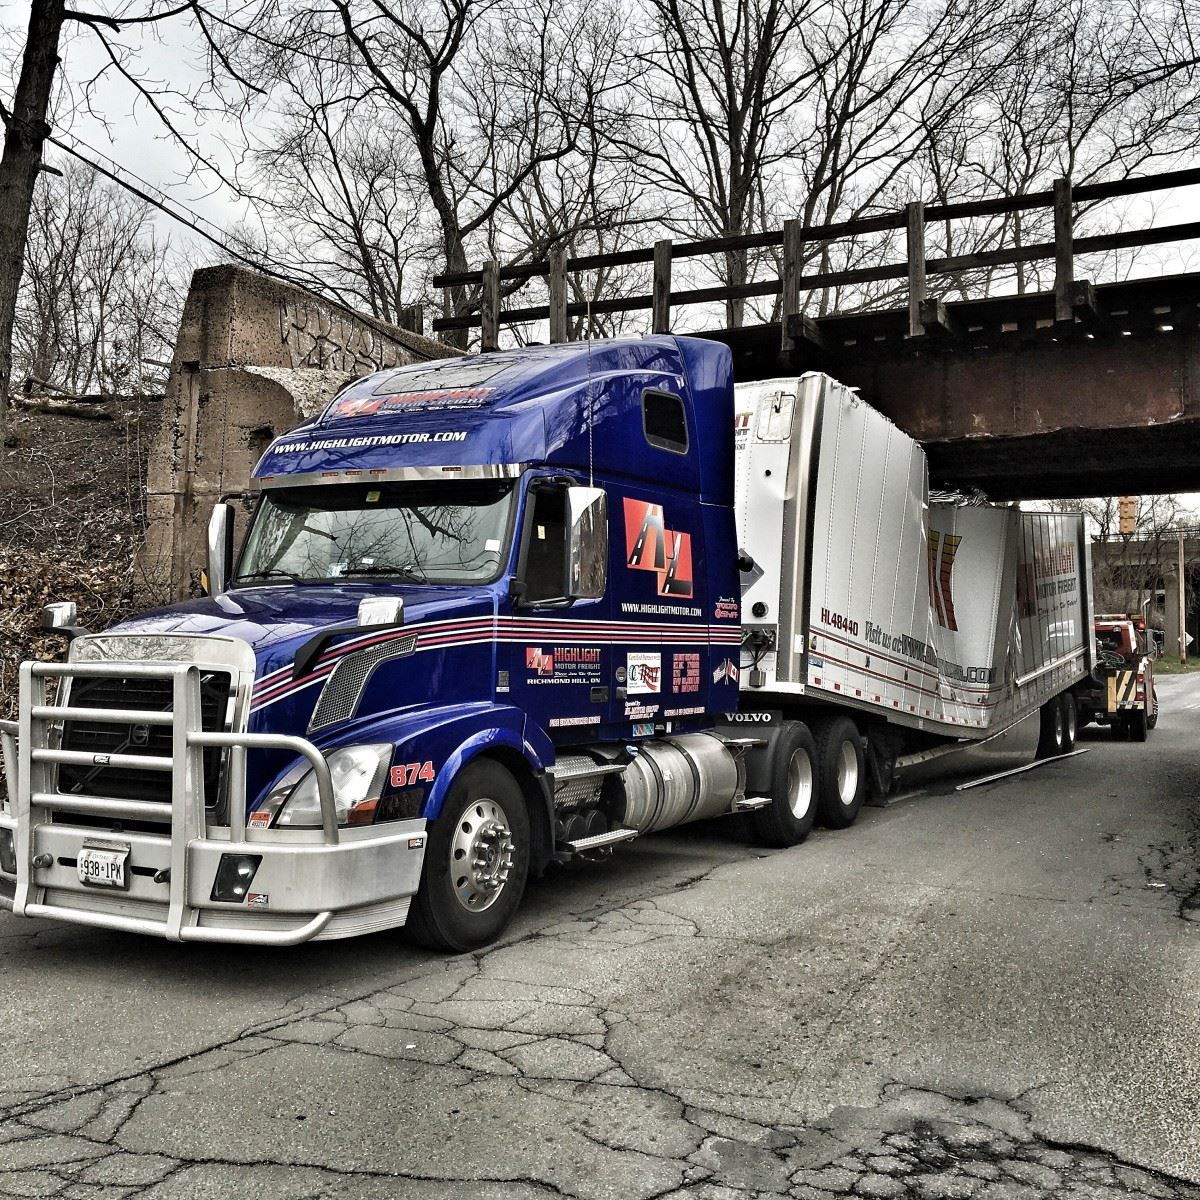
(484, 813)
(1152, 719)
(1053, 735)
(1070, 722)
(841, 772)
(1138, 725)
(790, 816)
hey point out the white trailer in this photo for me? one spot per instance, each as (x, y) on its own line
(919, 622)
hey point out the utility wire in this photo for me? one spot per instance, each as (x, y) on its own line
(192, 221)
(196, 223)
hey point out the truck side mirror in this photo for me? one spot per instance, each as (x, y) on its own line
(60, 618)
(587, 542)
(220, 548)
(60, 614)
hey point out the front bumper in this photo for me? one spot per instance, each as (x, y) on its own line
(310, 884)
(301, 891)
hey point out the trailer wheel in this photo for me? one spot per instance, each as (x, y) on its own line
(1070, 722)
(841, 772)
(476, 862)
(1054, 729)
(790, 816)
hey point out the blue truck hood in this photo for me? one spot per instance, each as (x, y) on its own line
(454, 625)
(277, 621)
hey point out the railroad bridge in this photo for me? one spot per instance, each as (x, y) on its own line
(1085, 389)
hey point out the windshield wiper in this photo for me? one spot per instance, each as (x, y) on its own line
(270, 573)
(389, 569)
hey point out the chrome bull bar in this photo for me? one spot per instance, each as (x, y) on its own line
(8, 754)
(31, 756)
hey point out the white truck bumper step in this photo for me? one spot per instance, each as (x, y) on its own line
(612, 838)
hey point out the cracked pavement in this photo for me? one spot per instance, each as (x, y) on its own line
(992, 994)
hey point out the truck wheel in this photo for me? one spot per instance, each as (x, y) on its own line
(1137, 725)
(841, 772)
(1070, 722)
(789, 818)
(476, 862)
(1152, 719)
(1054, 729)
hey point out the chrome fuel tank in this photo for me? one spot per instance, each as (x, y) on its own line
(675, 780)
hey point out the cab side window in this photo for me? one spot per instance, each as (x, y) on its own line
(545, 555)
(664, 421)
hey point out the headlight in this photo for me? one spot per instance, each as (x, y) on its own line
(358, 774)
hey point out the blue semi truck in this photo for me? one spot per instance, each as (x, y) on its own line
(506, 610)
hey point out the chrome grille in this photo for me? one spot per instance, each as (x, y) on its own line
(103, 738)
(344, 687)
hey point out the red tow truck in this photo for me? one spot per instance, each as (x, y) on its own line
(1119, 691)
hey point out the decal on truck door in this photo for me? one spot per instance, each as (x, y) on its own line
(651, 546)
(644, 673)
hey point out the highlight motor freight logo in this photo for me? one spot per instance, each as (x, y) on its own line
(539, 660)
(1049, 576)
(940, 566)
(563, 664)
(651, 546)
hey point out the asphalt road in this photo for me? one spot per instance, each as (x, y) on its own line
(991, 993)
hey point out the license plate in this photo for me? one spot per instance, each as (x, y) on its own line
(103, 866)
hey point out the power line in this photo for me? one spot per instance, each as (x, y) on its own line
(196, 223)
(192, 221)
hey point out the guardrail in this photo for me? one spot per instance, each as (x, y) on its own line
(925, 313)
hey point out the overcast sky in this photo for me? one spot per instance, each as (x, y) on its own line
(121, 126)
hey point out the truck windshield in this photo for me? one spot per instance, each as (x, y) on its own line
(452, 532)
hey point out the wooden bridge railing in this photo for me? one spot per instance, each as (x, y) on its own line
(924, 312)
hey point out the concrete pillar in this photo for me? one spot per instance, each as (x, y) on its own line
(253, 359)
(1171, 616)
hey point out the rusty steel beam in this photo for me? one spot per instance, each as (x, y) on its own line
(1015, 402)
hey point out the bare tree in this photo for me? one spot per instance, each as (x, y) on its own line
(26, 127)
(338, 188)
(718, 84)
(765, 109)
(1087, 94)
(484, 95)
(100, 295)
(25, 132)
(1130, 568)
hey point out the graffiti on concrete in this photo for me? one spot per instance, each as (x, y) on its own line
(316, 337)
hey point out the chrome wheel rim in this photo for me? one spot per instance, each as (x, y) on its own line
(1058, 725)
(847, 774)
(800, 784)
(481, 855)
(1072, 723)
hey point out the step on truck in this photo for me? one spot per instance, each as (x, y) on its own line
(513, 609)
